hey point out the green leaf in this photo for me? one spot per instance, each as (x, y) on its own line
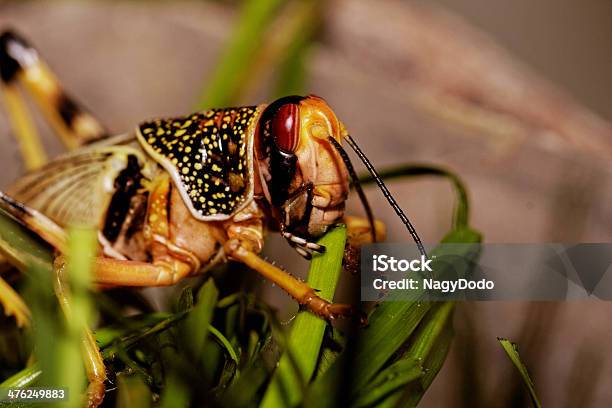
(307, 330)
(511, 350)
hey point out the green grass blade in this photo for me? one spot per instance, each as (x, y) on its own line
(19, 245)
(291, 77)
(175, 394)
(429, 347)
(69, 370)
(232, 71)
(511, 350)
(391, 326)
(393, 378)
(133, 392)
(224, 343)
(307, 331)
(24, 378)
(462, 207)
(198, 320)
(428, 333)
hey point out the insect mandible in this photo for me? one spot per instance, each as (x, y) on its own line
(179, 195)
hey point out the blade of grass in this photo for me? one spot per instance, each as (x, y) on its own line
(19, 245)
(511, 350)
(24, 378)
(291, 78)
(133, 392)
(411, 396)
(462, 208)
(429, 347)
(175, 394)
(427, 335)
(307, 330)
(198, 320)
(393, 378)
(393, 322)
(387, 331)
(232, 71)
(244, 391)
(70, 371)
(391, 326)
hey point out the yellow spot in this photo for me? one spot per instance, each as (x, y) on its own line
(198, 166)
(160, 132)
(188, 149)
(185, 170)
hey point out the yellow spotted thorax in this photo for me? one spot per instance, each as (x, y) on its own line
(209, 156)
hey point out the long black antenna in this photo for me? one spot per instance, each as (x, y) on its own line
(387, 194)
(357, 185)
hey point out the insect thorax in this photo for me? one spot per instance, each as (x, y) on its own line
(209, 156)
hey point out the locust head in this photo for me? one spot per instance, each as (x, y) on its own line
(302, 175)
(304, 170)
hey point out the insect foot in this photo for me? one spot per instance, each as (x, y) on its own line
(297, 289)
(331, 311)
(95, 393)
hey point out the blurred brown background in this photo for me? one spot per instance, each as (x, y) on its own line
(513, 96)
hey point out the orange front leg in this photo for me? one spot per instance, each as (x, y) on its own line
(300, 291)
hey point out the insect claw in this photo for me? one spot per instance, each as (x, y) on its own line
(315, 247)
(303, 252)
(363, 318)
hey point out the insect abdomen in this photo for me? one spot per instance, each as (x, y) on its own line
(126, 186)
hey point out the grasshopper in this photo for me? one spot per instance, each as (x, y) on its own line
(178, 196)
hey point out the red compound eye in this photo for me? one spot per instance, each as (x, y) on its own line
(285, 128)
